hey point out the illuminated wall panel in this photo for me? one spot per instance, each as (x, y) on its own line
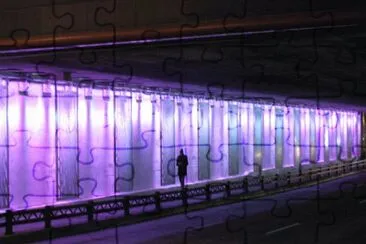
(326, 135)
(247, 120)
(146, 141)
(168, 150)
(332, 125)
(280, 132)
(272, 121)
(344, 147)
(289, 146)
(356, 138)
(268, 161)
(96, 155)
(297, 136)
(340, 138)
(67, 144)
(124, 167)
(258, 138)
(203, 141)
(218, 155)
(186, 135)
(4, 157)
(313, 136)
(321, 136)
(350, 134)
(234, 143)
(305, 137)
(32, 159)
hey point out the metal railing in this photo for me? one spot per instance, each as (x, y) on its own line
(91, 208)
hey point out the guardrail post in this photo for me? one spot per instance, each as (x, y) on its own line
(262, 182)
(245, 184)
(228, 190)
(300, 178)
(90, 211)
(310, 174)
(47, 217)
(276, 181)
(157, 201)
(344, 168)
(288, 178)
(208, 193)
(9, 222)
(126, 205)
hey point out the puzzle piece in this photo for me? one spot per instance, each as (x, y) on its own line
(56, 29)
(241, 221)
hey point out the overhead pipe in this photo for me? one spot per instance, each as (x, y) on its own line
(170, 33)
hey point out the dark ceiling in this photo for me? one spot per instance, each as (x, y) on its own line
(308, 66)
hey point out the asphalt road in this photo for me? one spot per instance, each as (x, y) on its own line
(333, 212)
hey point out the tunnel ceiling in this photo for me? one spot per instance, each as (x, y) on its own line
(296, 65)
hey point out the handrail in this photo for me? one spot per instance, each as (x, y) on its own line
(49, 213)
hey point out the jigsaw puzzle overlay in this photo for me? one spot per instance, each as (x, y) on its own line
(90, 140)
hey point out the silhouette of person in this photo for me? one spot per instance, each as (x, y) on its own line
(182, 162)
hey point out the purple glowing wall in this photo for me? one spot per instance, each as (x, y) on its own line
(32, 154)
(186, 124)
(247, 127)
(69, 146)
(168, 150)
(4, 154)
(124, 167)
(235, 136)
(96, 146)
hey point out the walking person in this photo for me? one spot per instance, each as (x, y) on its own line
(182, 162)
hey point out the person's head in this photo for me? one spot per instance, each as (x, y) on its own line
(181, 152)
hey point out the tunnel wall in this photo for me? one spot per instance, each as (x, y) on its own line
(61, 143)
